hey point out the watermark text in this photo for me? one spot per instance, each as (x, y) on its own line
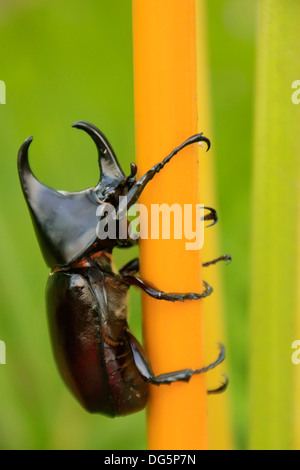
(2, 352)
(2, 92)
(162, 222)
(296, 94)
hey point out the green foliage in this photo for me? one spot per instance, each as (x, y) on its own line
(275, 284)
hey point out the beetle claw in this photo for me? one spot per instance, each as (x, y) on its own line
(226, 258)
(207, 141)
(220, 389)
(211, 216)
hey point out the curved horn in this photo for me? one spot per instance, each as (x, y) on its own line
(23, 164)
(108, 162)
(56, 215)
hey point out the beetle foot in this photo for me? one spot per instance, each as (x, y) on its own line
(214, 261)
(211, 216)
(220, 389)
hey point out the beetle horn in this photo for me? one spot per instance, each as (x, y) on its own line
(110, 169)
(23, 164)
(55, 215)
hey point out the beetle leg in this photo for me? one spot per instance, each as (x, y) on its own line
(211, 216)
(138, 187)
(220, 389)
(183, 375)
(214, 261)
(159, 295)
(132, 267)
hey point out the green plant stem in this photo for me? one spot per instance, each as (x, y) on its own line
(274, 220)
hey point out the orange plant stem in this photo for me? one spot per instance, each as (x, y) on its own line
(166, 115)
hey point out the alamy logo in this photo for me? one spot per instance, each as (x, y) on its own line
(188, 222)
(2, 353)
(2, 92)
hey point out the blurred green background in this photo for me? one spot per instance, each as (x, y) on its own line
(69, 61)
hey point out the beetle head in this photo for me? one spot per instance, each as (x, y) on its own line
(65, 222)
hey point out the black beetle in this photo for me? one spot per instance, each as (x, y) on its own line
(100, 360)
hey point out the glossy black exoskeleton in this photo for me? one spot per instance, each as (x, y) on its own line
(99, 358)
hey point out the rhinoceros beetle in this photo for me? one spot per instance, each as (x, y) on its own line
(100, 360)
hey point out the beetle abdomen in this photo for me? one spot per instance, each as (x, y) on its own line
(95, 360)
